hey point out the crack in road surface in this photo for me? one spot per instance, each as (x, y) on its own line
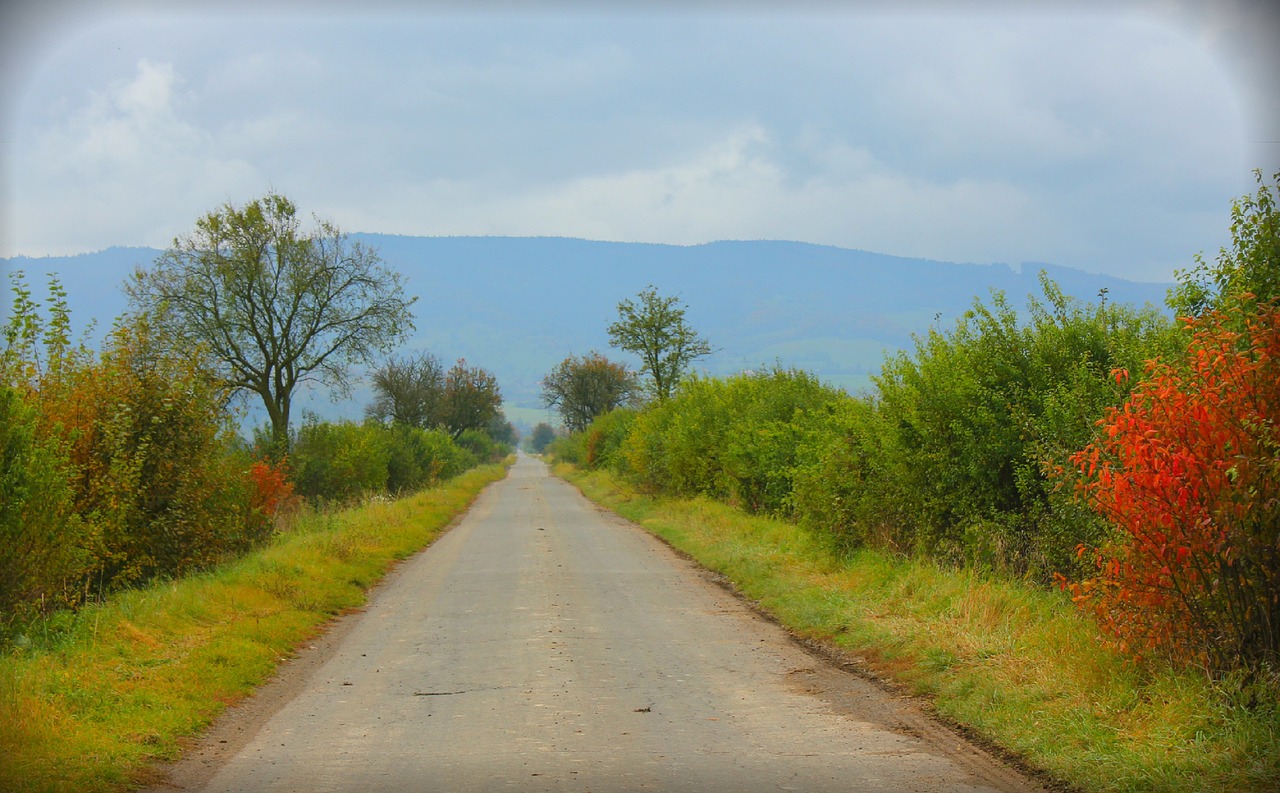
(592, 658)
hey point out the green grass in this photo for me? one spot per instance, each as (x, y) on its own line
(89, 701)
(1008, 660)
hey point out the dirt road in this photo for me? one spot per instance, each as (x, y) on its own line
(545, 645)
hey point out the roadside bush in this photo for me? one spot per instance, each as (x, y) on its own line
(1246, 273)
(340, 461)
(272, 492)
(568, 448)
(343, 461)
(973, 416)
(950, 456)
(140, 437)
(482, 446)
(739, 438)
(45, 549)
(158, 473)
(605, 436)
(419, 458)
(1189, 470)
(775, 418)
(847, 489)
(675, 445)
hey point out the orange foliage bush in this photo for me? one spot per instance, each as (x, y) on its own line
(272, 490)
(1189, 472)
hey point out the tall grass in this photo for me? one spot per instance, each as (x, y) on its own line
(1008, 660)
(89, 700)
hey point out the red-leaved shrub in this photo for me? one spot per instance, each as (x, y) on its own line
(1189, 472)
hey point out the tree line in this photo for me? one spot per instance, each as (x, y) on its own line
(1127, 458)
(125, 463)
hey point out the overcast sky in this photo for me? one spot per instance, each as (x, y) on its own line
(1110, 137)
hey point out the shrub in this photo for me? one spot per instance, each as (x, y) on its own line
(848, 490)
(972, 417)
(568, 448)
(1189, 471)
(481, 445)
(739, 438)
(340, 461)
(141, 439)
(45, 550)
(419, 458)
(605, 436)
(157, 470)
(675, 444)
(272, 491)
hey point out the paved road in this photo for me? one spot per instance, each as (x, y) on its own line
(546, 645)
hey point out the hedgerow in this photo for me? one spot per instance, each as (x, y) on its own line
(1023, 445)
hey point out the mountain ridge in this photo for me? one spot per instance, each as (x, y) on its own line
(519, 305)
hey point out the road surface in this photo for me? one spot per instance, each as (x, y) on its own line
(544, 644)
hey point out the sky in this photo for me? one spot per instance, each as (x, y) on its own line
(1109, 137)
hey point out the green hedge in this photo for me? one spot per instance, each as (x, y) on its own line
(947, 457)
(343, 461)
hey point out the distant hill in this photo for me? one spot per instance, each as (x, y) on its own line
(517, 306)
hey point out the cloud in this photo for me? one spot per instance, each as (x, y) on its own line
(735, 187)
(121, 168)
(120, 126)
(1102, 140)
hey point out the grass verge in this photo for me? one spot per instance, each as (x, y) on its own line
(1008, 661)
(92, 699)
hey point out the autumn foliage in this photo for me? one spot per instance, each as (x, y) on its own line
(272, 491)
(118, 465)
(1188, 469)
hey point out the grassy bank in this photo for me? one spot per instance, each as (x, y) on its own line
(88, 701)
(1011, 662)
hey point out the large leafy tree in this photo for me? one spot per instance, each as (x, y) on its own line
(276, 304)
(542, 436)
(654, 327)
(472, 399)
(583, 388)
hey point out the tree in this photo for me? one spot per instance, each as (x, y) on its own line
(587, 387)
(275, 304)
(542, 436)
(655, 330)
(472, 399)
(409, 391)
(502, 431)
